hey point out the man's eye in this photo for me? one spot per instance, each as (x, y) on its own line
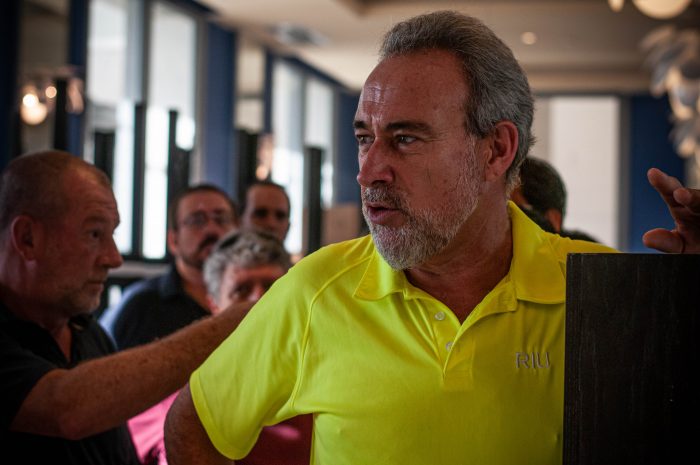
(242, 291)
(402, 139)
(363, 139)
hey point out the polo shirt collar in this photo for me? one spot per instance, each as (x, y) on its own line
(535, 273)
(380, 279)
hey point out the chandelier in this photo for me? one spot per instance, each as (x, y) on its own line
(674, 58)
(660, 9)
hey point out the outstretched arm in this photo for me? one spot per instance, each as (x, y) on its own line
(102, 393)
(186, 441)
(684, 205)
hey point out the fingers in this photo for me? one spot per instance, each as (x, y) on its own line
(690, 198)
(663, 241)
(664, 184)
(684, 206)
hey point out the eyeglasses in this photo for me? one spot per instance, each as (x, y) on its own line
(200, 219)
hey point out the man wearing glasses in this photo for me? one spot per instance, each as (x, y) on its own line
(197, 218)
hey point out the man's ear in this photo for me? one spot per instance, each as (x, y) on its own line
(554, 217)
(27, 237)
(172, 242)
(503, 144)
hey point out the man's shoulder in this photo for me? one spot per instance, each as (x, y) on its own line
(567, 245)
(137, 299)
(151, 289)
(342, 261)
(339, 256)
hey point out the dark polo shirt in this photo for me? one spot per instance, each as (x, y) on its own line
(27, 353)
(151, 309)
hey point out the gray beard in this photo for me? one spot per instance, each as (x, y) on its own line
(410, 245)
(428, 231)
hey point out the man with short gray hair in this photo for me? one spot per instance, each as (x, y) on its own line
(439, 339)
(243, 266)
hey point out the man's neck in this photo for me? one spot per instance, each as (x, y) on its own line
(193, 282)
(468, 269)
(50, 319)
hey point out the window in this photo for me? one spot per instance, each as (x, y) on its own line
(162, 82)
(171, 93)
(303, 117)
(580, 137)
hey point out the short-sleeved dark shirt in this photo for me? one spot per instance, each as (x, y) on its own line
(27, 353)
(151, 309)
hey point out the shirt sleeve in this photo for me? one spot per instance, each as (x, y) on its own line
(250, 380)
(20, 370)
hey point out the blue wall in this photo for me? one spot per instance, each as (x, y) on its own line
(218, 136)
(347, 189)
(77, 57)
(9, 49)
(650, 146)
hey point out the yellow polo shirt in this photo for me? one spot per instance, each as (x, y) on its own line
(388, 371)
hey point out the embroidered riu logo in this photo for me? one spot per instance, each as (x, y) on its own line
(532, 360)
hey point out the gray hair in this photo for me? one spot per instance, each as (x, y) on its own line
(498, 87)
(244, 249)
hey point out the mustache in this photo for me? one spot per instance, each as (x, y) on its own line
(384, 195)
(211, 239)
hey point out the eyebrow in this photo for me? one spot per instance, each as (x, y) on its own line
(398, 125)
(98, 219)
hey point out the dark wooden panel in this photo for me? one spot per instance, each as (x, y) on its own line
(631, 394)
(313, 162)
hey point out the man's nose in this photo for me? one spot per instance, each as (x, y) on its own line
(111, 258)
(375, 165)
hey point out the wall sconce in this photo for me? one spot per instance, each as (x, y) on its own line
(39, 93)
(659, 9)
(36, 103)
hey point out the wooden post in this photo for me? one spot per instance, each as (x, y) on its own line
(631, 392)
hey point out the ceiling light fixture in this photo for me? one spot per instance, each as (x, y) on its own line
(616, 5)
(292, 34)
(659, 9)
(528, 38)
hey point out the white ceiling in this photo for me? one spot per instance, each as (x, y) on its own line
(582, 45)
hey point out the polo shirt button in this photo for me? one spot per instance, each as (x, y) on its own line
(448, 346)
(440, 316)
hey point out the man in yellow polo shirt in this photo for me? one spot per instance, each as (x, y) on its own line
(439, 338)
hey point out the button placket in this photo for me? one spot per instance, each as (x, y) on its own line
(445, 332)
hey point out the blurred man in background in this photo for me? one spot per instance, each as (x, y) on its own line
(266, 207)
(542, 196)
(150, 309)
